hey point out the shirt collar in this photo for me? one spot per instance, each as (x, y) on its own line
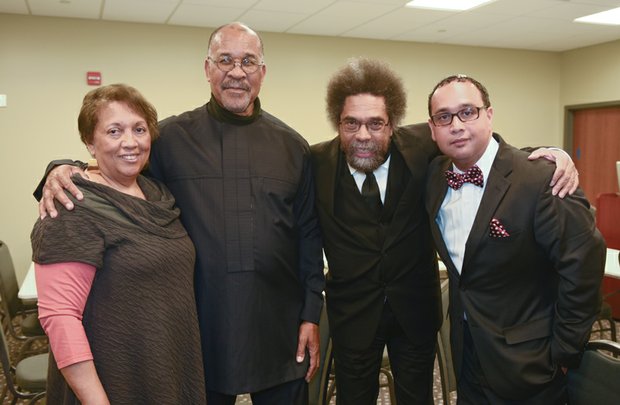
(221, 114)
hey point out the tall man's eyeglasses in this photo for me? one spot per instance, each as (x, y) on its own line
(465, 115)
(227, 63)
(351, 125)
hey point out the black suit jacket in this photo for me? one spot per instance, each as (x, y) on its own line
(362, 271)
(531, 297)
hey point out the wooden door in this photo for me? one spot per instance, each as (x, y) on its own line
(596, 148)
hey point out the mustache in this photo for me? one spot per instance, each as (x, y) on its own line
(235, 84)
(368, 146)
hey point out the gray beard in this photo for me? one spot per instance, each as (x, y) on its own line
(369, 164)
(365, 164)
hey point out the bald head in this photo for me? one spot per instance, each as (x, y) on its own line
(216, 36)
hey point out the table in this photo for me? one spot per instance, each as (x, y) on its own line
(612, 266)
(611, 282)
(28, 289)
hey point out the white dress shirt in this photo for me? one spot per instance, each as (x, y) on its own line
(459, 208)
(381, 174)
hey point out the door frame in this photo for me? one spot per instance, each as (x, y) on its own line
(569, 115)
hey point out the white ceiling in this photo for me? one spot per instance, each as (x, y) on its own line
(545, 25)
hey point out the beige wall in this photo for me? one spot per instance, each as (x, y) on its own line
(591, 75)
(43, 64)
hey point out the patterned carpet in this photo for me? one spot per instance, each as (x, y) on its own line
(384, 397)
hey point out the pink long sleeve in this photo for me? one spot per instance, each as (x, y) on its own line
(62, 290)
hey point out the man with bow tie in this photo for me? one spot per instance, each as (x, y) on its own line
(524, 266)
(383, 286)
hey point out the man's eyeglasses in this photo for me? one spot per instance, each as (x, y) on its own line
(465, 115)
(351, 125)
(227, 63)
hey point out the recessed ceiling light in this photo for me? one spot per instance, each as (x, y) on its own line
(453, 5)
(609, 17)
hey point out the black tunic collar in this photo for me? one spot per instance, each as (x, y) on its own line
(221, 114)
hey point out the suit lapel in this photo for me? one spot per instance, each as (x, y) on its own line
(437, 189)
(497, 186)
(412, 190)
(327, 176)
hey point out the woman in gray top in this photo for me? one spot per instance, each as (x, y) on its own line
(115, 276)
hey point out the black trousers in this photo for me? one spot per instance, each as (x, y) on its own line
(290, 393)
(357, 371)
(473, 388)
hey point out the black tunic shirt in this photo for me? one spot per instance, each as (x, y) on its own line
(246, 193)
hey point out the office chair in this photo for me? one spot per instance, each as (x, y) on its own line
(596, 379)
(604, 315)
(389, 378)
(444, 352)
(317, 389)
(17, 315)
(608, 218)
(25, 380)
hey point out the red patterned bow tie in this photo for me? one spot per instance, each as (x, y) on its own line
(473, 175)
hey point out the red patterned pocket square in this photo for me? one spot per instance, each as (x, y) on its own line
(497, 229)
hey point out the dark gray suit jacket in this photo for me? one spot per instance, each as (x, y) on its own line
(363, 272)
(530, 298)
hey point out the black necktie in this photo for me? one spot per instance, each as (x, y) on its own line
(371, 194)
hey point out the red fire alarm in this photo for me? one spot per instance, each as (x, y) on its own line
(93, 78)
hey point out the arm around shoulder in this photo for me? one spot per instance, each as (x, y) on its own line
(57, 179)
(38, 192)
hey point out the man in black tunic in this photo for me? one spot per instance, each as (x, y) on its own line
(243, 181)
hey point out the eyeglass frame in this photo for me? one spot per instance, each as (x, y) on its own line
(236, 63)
(364, 123)
(456, 114)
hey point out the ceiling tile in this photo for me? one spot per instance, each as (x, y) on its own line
(293, 6)
(515, 7)
(339, 18)
(567, 12)
(149, 11)
(381, 2)
(13, 7)
(72, 9)
(220, 3)
(523, 24)
(395, 23)
(204, 16)
(271, 21)
(540, 31)
(453, 26)
(605, 3)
